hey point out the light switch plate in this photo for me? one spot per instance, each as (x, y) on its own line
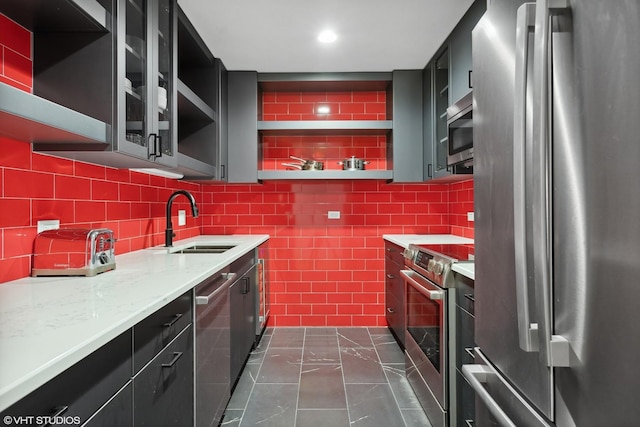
(333, 214)
(182, 217)
(470, 216)
(48, 224)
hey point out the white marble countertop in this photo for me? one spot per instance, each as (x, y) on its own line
(405, 240)
(47, 324)
(466, 268)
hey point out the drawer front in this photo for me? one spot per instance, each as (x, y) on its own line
(117, 412)
(163, 389)
(465, 293)
(466, 401)
(152, 334)
(394, 312)
(393, 253)
(82, 389)
(465, 338)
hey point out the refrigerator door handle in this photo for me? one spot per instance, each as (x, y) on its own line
(477, 375)
(527, 331)
(554, 350)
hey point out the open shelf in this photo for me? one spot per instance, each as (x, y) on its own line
(58, 15)
(29, 118)
(192, 106)
(326, 127)
(325, 174)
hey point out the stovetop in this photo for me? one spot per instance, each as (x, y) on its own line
(434, 261)
(452, 252)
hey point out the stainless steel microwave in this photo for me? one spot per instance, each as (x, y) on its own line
(460, 131)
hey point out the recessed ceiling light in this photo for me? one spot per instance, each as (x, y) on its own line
(327, 36)
(323, 109)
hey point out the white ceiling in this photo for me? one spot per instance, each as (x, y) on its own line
(281, 35)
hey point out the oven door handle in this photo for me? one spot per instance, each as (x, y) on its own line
(431, 294)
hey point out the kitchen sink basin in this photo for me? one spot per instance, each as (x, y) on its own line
(204, 249)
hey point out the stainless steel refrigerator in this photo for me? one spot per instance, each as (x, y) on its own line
(557, 214)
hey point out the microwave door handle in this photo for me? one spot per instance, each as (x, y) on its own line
(527, 331)
(554, 350)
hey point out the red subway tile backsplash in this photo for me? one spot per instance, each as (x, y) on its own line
(330, 272)
(37, 187)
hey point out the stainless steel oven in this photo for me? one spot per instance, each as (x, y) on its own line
(430, 335)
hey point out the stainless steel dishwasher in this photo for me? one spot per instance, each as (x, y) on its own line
(213, 348)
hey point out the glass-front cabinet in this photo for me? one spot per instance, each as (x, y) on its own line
(146, 63)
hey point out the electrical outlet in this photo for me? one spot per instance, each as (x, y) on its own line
(49, 224)
(470, 216)
(182, 217)
(333, 214)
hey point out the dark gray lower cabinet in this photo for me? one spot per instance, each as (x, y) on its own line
(394, 291)
(116, 412)
(77, 393)
(243, 322)
(163, 389)
(109, 389)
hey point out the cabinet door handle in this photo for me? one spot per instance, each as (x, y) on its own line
(151, 145)
(247, 285)
(176, 355)
(390, 276)
(55, 412)
(157, 145)
(470, 297)
(391, 310)
(429, 174)
(173, 321)
(223, 169)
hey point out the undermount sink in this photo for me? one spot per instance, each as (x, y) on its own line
(204, 249)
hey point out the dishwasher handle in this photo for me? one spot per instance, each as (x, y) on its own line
(204, 299)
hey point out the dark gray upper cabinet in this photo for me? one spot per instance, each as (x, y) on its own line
(435, 102)
(406, 148)
(461, 73)
(142, 51)
(447, 78)
(242, 116)
(202, 107)
(69, 41)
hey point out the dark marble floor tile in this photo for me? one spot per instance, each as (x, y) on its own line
(415, 418)
(281, 365)
(258, 352)
(321, 331)
(401, 388)
(321, 387)
(287, 338)
(271, 405)
(388, 349)
(354, 337)
(372, 405)
(361, 365)
(321, 349)
(243, 389)
(379, 331)
(322, 417)
(232, 418)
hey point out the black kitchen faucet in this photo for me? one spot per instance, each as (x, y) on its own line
(169, 234)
